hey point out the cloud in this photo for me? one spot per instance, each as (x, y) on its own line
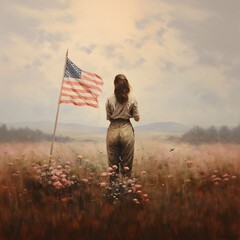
(180, 57)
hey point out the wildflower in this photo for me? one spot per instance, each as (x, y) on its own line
(104, 174)
(126, 168)
(103, 184)
(58, 173)
(136, 201)
(169, 176)
(58, 185)
(67, 163)
(138, 186)
(64, 180)
(59, 167)
(54, 177)
(130, 181)
(145, 195)
(80, 157)
(226, 175)
(139, 191)
(85, 180)
(215, 171)
(213, 176)
(217, 179)
(189, 163)
(226, 179)
(129, 191)
(234, 177)
(110, 169)
(147, 200)
(114, 167)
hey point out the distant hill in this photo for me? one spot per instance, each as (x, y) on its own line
(48, 126)
(164, 127)
(75, 128)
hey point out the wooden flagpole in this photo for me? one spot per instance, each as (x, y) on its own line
(56, 119)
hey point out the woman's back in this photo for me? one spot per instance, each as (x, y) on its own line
(116, 110)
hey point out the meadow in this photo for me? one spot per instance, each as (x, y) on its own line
(177, 191)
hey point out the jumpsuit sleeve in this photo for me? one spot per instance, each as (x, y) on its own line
(135, 112)
(108, 110)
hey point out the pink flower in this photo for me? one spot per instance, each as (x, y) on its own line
(234, 177)
(226, 179)
(138, 186)
(129, 191)
(103, 184)
(226, 175)
(104, 174)
(126, 168)
(189, 163)
(139, 191)
(145, 195)
(130, 181)
(64, 180)
(59, 167)
(114, 167)
(110, 169)
(58, 185)
(217, 179)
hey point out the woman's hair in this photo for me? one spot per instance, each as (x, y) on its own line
(122, 88)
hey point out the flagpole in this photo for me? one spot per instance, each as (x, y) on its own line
(56, 119)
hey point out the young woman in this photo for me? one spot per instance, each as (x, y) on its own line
(120, 107)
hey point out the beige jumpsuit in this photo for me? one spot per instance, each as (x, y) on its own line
(120, 134)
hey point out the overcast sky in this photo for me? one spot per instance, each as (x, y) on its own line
(181, 57)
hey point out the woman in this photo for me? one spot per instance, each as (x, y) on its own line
(120, 107)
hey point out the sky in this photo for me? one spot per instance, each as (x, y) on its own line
(181, 58)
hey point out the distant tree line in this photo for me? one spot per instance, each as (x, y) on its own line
(27, 135)
(198, 135)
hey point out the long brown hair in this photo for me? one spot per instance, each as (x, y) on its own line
(122, 88)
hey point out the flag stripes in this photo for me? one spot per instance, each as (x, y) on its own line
(80, 88)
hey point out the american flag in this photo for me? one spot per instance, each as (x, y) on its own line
(80, 88)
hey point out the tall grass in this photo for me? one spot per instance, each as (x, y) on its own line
(176, 192)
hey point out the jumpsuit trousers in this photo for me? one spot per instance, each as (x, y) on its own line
(120, 146)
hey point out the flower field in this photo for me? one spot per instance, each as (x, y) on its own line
(177, 191)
